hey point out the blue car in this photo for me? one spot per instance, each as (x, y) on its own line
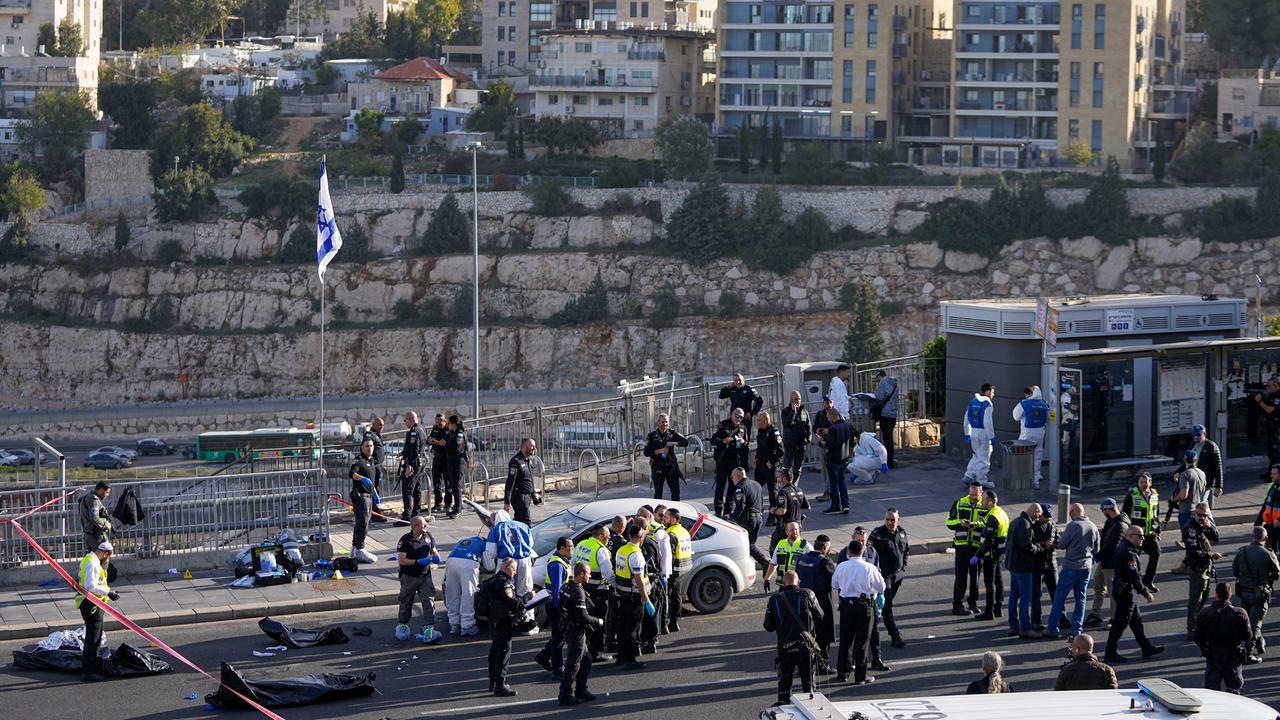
(106, 461)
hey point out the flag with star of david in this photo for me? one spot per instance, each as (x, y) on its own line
(328, 239)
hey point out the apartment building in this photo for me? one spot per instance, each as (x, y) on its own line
(624, 79)
(1248, 100)
(27, 69)
(413, 87)
(334, 17)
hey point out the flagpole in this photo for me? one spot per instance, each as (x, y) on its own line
(320, 424)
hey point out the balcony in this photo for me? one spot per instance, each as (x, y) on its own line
(1141, 25)
(1042, 104)
(1017, 48)
(647, 55)
(983, 14)
(899, 50)
(1178, 107)
(15, 5)
(899, 23)
(566, 81)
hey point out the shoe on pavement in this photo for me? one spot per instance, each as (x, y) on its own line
(998, 611)
(826, 670)
(842, 678)
(1033, 635)
(1115, 659)
(1253, 660)
(1012, 633)
(880, 666)
(403, 632)
(866, 680)
(844, 511)
(1152, 651)
(1092, 619)
(365, 556)
(899, 643)
(585, 696)
(570, 701)
(959, 611)
(984, 615)
(1064, 623)
(504, 691)
(543, 662)
(831, 511)
(455, 629)
(473, 630)
(1153, 589)
(430, 635)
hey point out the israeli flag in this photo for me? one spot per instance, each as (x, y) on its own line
(328, 239)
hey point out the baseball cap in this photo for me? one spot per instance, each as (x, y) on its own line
(1047, 509)
(105, 546)
(1107, 503)
(1190, 454)
(1197, 430)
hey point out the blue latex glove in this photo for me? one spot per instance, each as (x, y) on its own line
(973, 560)
(968, 439)
(435, 559)
(993, 442)
(425, 561)
(377, 499)
(365, 481)
(649, 608)
(662, 580)
(884, 467)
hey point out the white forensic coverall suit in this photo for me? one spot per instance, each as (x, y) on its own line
(869, 455)
(1032, 415)
(462, 577)
(979, 427)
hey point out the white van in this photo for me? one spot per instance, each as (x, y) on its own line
(585, 435)
(1153, 699)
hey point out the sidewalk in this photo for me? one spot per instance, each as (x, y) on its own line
(923, 489)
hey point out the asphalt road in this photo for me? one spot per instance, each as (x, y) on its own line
(722, 664)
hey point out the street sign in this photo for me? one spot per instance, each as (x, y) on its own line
(1120, 320)
(1046, 322)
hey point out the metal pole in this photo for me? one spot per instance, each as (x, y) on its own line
(320, 421)
(475, 268)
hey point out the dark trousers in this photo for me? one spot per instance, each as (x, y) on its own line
(500, 649)
(665, 475)
(89, 662)
(675, 601)
(362, 507)
(874, 642)
(722, 492)
(993, 582)
(1045, 578)
(577, 664)
(630, 610)
(788, 663)
(438, 479)
(838, 485)
(553, 650)
(1223, 668)
(417, 589)
(891, 592)
(768, 479)
(793, 459)
(886, 435)
(1127, 616)
(1151, 548)
(600, 604)
(965, 573)
(751, 523)
(521, 506)
(411, 490)
(1255, 602)
(611, 622)
(856, 618)
(453, 487)
(651, 625)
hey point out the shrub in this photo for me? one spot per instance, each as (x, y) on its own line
(957, 225)
(731, 304)
(184, 195)
(1079, 152)
(340, 312)
(685, 144)
(300, 246)
(123, 234)
(397, 173)
(666, 307)
(619, 173)
(448, 231)
(811, 164)
(170, 251)
(428, 312)
(1105, 210)
(702, 226)
(355, 243)
(1230, 220)
(809, 233)
(1211, 161)
(591, 306)
(280, 199)
(549, 200)
(460, 311)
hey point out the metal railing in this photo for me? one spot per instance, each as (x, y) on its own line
(596, 463)
(183, 515)
(104, 204)
(921, 393)
(488, 480)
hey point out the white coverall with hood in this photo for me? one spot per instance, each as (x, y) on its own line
(1032, 435)
(869, 456)
(979, 439)
(524, 566)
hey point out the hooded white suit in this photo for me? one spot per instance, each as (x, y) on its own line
(979, 426)
(1032, 415)
(868, 456)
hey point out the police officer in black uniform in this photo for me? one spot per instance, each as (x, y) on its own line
(894, 549)
(519, 494)
(747, 511)
(730, 449)
(796, 428)
(787, 507)
(742, 396)
(411, 475)
(1268, 408)
(364, 497)
(504, 607)
(768, 455)
(792, 613)
(456, 455)
(1128, 583)
(815, 569)
(663, 466)
(438, 439)
(374, 433)
(578, 620)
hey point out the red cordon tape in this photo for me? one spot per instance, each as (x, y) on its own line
(37, 509)
(336, 498)
(131, 624)
(702, 517)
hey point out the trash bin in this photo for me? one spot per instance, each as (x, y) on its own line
(1019, 464)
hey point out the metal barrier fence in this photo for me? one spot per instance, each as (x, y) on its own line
(183, 515)
(921, 389)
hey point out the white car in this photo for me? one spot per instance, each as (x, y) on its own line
(129, 455)
(8, 459)
(722, 566)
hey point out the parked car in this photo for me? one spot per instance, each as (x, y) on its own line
(155, 446)
(26, 457)
(8, 459)
(106, 461)
(189, 452)
(393, 448)
(130, 454)
(722, 565)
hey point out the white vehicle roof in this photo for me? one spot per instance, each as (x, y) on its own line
(1077, 705)
(628, 506)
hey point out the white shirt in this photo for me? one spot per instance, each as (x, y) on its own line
(856, 577)
(664, 552)
(839, 394)
(93, 582)
(605, 560)
(636, 562)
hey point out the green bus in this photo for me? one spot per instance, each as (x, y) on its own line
(230, 446)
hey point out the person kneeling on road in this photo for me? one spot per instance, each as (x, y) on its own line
(416, 554)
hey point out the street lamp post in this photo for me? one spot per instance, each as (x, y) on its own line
(474, 147)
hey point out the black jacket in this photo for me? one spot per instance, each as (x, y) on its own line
(1221, 628)
(893, 549)
(415, 446)
(128, 508)
(792, 500)
(504, 603)
(575, 610)
(798, 616)
(379, 451)
(519, 477)
(1041, 533)
(364, 467)
(745, 398)
(836, 443)
(796, 426)
(747, 501)
(655, 441)
(1210, 463)
(440, 434)
(1199, 541)
(768, 448)
(1128, 568)
(1112, 533)
(731, 445)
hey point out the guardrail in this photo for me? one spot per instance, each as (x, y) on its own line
(581, 467)
(183, 515)
(104, 204)
(481, 467)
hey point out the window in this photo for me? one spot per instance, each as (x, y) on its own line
(1099, 26)
(1077, 19)
(972, 10)
(540, 12)
(873, 25)
(1074, 100)
(604, 101)
(555, 100)
(639, 125)
(848, 26)
(644, 9)
(790, 41)
(821, 69)
(511, 8)
(642, 74)
(502, 9)
(871, 81)
(1097, 85)
(1096, 143)
(846, 81)
(582, 47)
(579, 99)
(1073, 129)
(633, 9)
(846, 125)
(642, 101)
(603, 14)
(502, 54)
(511, 35)
(502, 36)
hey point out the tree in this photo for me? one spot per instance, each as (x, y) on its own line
(70, 40)
(184, 194)
(768, 221)
(300, 246)
(58, 125)
(174, 22)
(863, 338)
(1245, 31)
(811, 164)
(775, 148)
(448, 231)
(744, 149)
(1079, 152)
(1158, 165)
(686, 147)
(364, 39)
(47, 38)
(397, 172)
(702, 226)
(1106, 207)
(591, 306)
(495, 107)
(200, 137)
(407, 130)
(1267, 201)
(1206, 106)
(123, 234)
(369, 126)
(435, 20)
(129, 105)
(513, 140)
(567, 138)
(22, 195)
(280, 200)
